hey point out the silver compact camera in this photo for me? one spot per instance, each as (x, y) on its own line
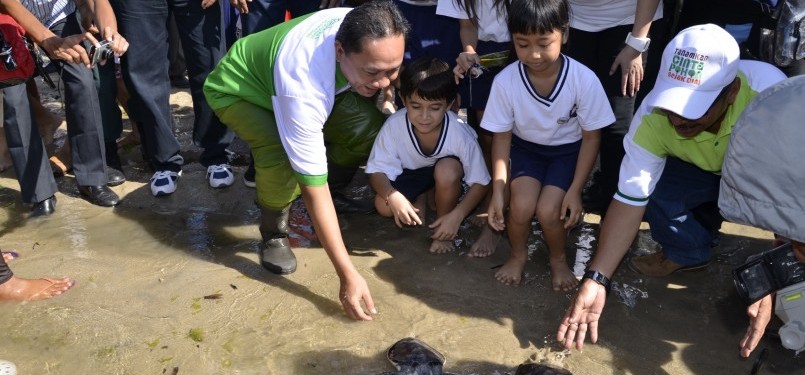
(101, 52)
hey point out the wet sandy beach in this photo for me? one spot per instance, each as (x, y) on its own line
(173, 285)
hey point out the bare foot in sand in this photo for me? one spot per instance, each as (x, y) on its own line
(486, 243)
(512, 271)
(562, 277)
(441, 247)
(19, 289)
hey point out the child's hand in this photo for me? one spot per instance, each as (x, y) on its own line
(572, 203)
(404, 212)
(495, 213)
(464, 64)
(446, 227)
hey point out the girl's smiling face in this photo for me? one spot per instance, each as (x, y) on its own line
(539, 52)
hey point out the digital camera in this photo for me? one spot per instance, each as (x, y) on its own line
(101, 52)
(767, 272)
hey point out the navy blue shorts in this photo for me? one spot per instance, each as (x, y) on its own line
(413, 182)
(550, 165)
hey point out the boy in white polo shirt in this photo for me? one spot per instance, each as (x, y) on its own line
(425, 147)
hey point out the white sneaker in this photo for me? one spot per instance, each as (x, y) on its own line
(164, 182)
(220, 175)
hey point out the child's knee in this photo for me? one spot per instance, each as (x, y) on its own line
(448, 171)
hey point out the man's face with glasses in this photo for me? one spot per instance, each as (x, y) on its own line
(711, 120)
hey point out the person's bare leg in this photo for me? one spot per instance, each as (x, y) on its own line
(448, 174)
(548, 212)
(524, 193)
(19, 289)
(62, 160)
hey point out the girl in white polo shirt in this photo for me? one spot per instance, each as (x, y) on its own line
(546, 111)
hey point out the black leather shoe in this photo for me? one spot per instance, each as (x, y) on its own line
(100, 195)
(114, 171)
(44, 208)
(114, 176)
(180, 82)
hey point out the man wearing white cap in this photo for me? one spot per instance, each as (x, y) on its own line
(674, 152)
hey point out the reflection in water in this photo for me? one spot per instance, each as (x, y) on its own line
(584, 249)
(75, 227)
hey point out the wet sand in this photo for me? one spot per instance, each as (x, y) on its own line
(144, 268)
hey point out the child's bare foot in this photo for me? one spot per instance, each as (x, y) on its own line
(562, 277)
(19, 289)
(441, 247)
(486, 243)
(512, 271)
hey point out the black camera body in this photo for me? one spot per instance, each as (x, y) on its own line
(767, 272)
(101, 52)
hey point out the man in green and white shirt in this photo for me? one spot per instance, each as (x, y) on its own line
(277, 89)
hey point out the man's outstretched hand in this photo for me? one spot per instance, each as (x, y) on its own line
(582, 315)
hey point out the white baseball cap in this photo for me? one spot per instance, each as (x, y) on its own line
(696, 65)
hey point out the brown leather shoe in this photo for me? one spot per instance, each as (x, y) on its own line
(657, 265)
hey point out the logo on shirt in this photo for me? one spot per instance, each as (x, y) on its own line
(686, 67)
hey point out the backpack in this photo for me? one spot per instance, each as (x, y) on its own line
(16, 63)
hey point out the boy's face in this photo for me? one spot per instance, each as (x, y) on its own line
(538, 52)
(427, 116)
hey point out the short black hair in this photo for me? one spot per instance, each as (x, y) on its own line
(372, 20)
(538, 16)
(430, 78)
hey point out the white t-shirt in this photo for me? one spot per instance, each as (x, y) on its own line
(396, 148)
(597, 15)
(576, 102)
(305, 93)
(491, 24)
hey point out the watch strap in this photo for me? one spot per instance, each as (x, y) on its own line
(639, 44)
(599, 278)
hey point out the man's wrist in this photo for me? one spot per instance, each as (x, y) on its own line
(599, 278)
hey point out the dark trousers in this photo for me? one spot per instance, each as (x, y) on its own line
(5, 272)
(26, 148)
(597, 50)
(84, 129)
(267, 13)
(145, 71)
(83, 114)
(111, 117)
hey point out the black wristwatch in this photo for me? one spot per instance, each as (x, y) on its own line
(599, 278)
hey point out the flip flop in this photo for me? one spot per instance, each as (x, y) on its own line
(10, 255)
(33, 297)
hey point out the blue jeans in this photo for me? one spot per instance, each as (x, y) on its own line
(680, 212)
